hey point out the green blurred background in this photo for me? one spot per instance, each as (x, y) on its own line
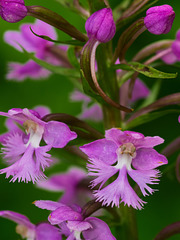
(162, 208)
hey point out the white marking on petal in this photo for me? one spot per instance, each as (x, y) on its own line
(36, 131)
(124, 160)
(77, 235)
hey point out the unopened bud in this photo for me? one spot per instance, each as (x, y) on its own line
(100, 25)
(12, 10)
(159, 19)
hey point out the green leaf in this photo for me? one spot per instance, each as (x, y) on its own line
(72, 58)
(67, 42)
(57, 21)
(145, 70)
(145, 118)
(122, 67)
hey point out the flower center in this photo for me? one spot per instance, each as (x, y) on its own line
(30, 126)
(25, 232)
(35, 130)
(126, 153)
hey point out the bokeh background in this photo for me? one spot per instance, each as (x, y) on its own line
(163, 207)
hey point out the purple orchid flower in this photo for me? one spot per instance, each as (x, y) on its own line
(41, 231)
(73, 224)
(32, 43)
(174, 53)
(179, 119)
(23, 152)
(93, 111)
(116, 154)
(159, 19)
(69, 183)
(12, 126)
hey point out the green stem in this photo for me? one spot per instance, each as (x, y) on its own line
(108, 81)
(128, 230)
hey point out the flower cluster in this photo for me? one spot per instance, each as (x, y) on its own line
(122, 164)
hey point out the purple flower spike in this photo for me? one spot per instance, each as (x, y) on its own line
(27, 159)
(72, 223)
(116, 154)
(159, 19)
(100, 25)
(67, 182)
(42, 231)
(12, 11)
(32, 43)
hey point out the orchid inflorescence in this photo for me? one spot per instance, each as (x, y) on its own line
(121, 163)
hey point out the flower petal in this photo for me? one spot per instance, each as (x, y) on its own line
(99, 230)
(42, 110)
(78, 226)
(58, 134)
(17, 218)
(119, 191)
(42, 158)
(101, 171)
(14, 145)
(48, 205)
(24, 169)
(120, 137)
(169, 58)
(149, 142)
(41, 28)
(45, 231)
(15, 39)
(140, 90)
(78, 96)
(62, 214)
(62, 181)
(147, 159)
(93, 113)
(101, 150)
(67, 182)
(30, 69)
(142, 178)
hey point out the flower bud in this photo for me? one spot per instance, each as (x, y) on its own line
(100, 25)
(159, 19)
(12, 10)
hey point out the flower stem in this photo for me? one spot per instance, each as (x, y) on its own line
(128, 223)
(108, 80)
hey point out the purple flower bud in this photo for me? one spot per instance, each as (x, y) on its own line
(100, 25)
(159, 19)
(12, 10)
